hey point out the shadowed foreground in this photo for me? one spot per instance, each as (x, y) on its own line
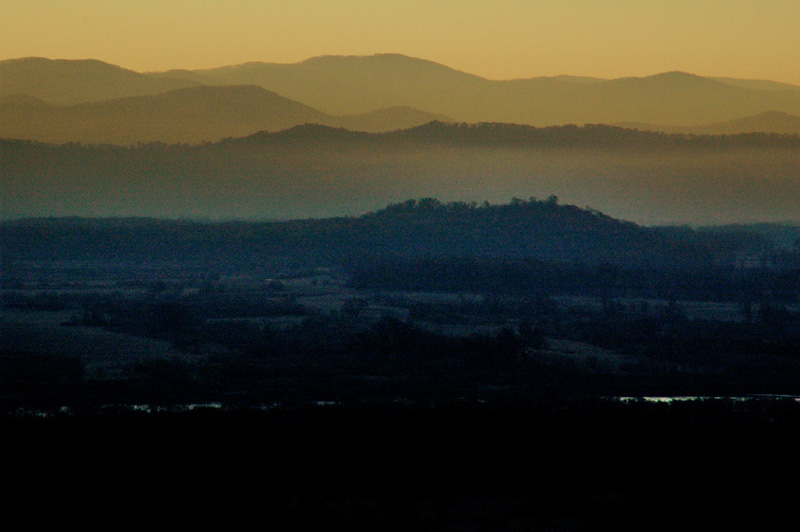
(573, 465)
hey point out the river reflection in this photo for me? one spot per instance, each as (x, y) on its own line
(673, 398)
(189, 407)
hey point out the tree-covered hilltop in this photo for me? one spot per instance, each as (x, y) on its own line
(533, 229)
(523, 247)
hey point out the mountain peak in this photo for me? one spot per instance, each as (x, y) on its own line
(382, 57)
(72, 81)
(386, 61)
(672, 83)
(44, 62)
(674, 77)
(675, 74)
(780, 115)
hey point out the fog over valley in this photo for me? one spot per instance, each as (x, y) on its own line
(308, 171)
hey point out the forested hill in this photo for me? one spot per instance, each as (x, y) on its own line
(533, 229)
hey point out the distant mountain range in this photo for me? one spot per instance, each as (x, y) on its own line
(353, 84)
(66, 82)
(766, 122)
(92, 101)
(188, 115)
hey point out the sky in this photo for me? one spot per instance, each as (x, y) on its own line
(497, 39)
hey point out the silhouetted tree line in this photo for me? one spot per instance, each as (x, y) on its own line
(485, 134)
(495, 134)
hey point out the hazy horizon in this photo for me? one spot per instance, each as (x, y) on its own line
(499, 40)
(461, 61)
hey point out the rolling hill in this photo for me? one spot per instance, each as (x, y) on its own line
(539, 230)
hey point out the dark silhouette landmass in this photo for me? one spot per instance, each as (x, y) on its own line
(525, 230)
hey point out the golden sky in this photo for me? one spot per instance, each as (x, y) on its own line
(498, 39)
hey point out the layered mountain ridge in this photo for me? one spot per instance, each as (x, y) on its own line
(194, 114)
(94, 102)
